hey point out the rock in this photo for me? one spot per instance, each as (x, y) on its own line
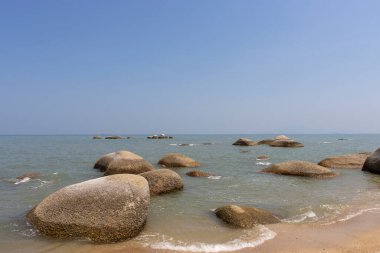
(262, 157)
(282, 138)
(286, 144)
(349, 161)
(161, 136)
(113, 137)
(128, 166)
(28, 175)
(265, 142)
(244, 142)
(208, 143)
(300, 168)
(163, 181)
(97, 137)
(123, 162)
(245, 217)
(174, 160)
(107, 209)
(198, 173)
(244, 151)
(372, 163)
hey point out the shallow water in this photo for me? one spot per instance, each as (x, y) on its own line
(183, 220)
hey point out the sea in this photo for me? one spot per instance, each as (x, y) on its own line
(184, 220)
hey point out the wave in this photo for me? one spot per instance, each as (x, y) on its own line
(169, 243)
(263, 163)
(352, 215)
(214, 177)
(24, 180)
(300, 217)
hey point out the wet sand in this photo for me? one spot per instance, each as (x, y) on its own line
(359, 235)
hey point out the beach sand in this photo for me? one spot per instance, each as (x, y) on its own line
(357, 235)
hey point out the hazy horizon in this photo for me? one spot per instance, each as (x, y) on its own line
(194, 67)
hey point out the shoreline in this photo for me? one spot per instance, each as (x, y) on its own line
(357, 235)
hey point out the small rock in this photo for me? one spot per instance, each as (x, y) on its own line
(244, 142)
(245, 217)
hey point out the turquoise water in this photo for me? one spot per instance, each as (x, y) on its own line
(183, 220)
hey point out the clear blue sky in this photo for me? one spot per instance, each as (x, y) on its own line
(88, 67)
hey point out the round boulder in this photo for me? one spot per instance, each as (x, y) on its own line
(300, 168)
(286, 144)
(372, 163)
(245, 217)
(121, 162)
(244, 142)
(198, 173)
(175, 160)
(97, 137)
(163, 181)
(349, 161)
(107, 209)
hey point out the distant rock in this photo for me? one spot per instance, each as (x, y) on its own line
(173, 160)
(163, 181)
(244, 142)
(262, 157)
(265, 142)
(286, 144)
(161, 136)
(372, 163)
(244, 151)
(300, 168)
(113, 137)
(349, 161)
(106, 209)
(208, 143)
(198, 173)
(97, 137)
(282, 138)
(122, 162)
(245, 217)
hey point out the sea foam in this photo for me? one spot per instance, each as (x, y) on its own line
(169, 243)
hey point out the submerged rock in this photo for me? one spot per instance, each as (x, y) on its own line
(245, 217)
(244, 142)
(349, 161)
(30, 175)
(122, 162)
(163, 181)
(198, 173)
(300, 168)
(107, 209)
(173, 160)
(286, 144)
(262, 157)
(372, 163)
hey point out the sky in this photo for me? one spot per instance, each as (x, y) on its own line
(189, 67)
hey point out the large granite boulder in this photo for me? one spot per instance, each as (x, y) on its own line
(349, 161)
(163, 181)
(244, 142)
(122, 162)
(175, 160)
(372, 163)
(286, 144)
(106, 209)
(300, 168)
(245, 217)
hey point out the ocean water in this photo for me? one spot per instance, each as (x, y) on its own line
(184, 221)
